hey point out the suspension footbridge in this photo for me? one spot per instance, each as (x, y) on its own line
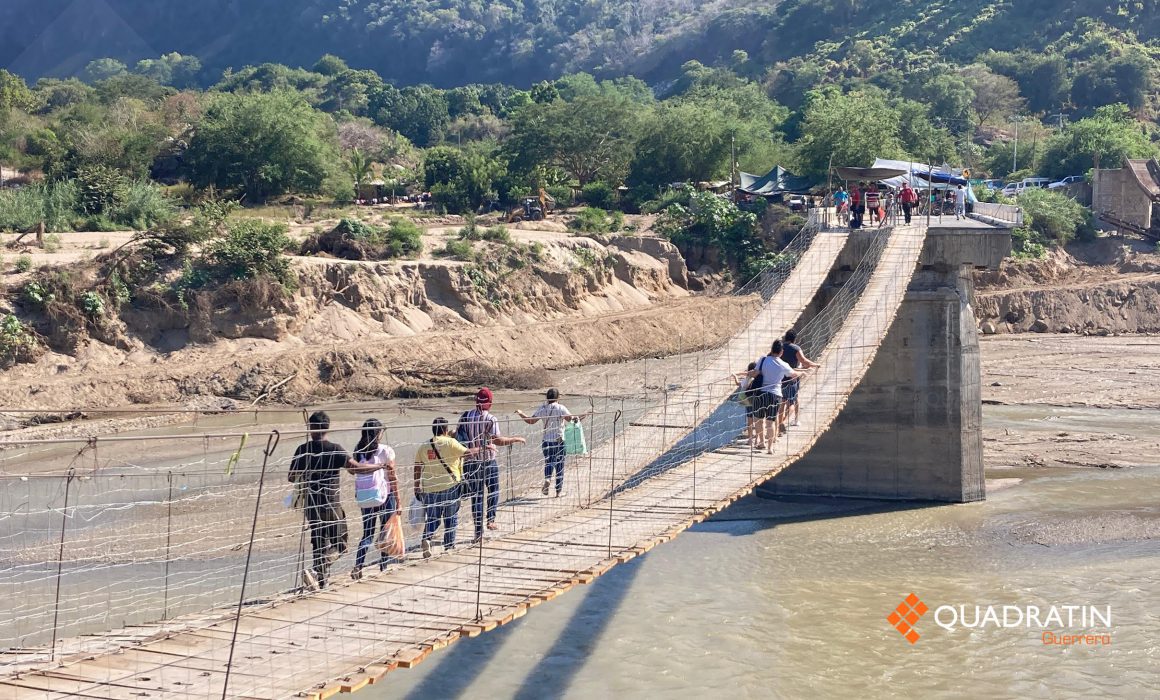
(648, 477)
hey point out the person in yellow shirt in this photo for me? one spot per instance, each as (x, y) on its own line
(439, 483)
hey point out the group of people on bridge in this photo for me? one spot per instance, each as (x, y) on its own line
(460, 463)
(768, 389)
(866, 200)
(453, 465)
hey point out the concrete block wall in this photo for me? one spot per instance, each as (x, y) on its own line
(1117, 192)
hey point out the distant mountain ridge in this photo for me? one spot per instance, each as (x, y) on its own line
(454, 42)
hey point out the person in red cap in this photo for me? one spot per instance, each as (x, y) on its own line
(478, 428)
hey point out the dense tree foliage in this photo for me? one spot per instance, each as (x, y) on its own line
(1110, 135)
(590, 138)
(261, 145)
(801, 84)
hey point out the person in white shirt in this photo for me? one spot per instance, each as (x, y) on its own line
(553, 414)
(773, 371)
(960, 202)
(376, 489)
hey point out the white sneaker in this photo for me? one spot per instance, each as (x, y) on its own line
(795, 423)
(310, 580)
(426, 547)
(547, 485)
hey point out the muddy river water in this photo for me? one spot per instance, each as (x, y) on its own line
(789, 598)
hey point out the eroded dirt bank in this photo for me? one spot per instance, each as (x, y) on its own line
(1110, 286)
(368, 329)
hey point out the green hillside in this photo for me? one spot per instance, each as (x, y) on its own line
(453, 42)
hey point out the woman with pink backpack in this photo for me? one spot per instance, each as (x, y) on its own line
(375, 488)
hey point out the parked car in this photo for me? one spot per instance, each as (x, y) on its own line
(1070, 179)
(1013, 189)
(1035, 182)
(993, 184)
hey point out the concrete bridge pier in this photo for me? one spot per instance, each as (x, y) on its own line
(912, 429)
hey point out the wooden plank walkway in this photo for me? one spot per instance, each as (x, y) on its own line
(351, 635)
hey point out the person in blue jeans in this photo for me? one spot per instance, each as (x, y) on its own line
(439, 483)
(553, 414)
(375, 489)
(479, 429)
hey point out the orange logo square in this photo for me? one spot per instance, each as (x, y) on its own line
(904, 617)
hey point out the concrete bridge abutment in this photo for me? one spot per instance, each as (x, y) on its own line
(912, 429)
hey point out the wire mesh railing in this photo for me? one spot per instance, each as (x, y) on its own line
(146, 532)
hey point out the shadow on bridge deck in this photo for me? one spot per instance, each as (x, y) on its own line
(552, 674)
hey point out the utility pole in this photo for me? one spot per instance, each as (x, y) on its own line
(1015, 155)
(969, 141)
(1060, 116)
(733, 162)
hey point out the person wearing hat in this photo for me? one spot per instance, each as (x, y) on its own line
(479, 429)
(553, 413)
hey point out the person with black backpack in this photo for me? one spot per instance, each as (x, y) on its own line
(439, 483)
(479, 429)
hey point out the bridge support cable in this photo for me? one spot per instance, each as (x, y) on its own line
(126, 518)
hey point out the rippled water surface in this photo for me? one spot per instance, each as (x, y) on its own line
(789, 599)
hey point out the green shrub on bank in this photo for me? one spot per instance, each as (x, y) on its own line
(1049, 218)
(494, 234)
(17, 342)
(56, 204)
(599, 194)
(70, 205)
(459, 249)
(142, 205)
(404, 238)
(249, 249)
(673, 195)
(593, 220)
(561, 193)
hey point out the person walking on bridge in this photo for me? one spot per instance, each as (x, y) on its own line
(960, 202)
(793, 356)
(376, 490)
(842, 205)
(873, 201)
(479, 429)
(553, 413)
(773, 371)
(439, 483)
(908, 197)
(747, 397)
(315, 468)
(857, 206)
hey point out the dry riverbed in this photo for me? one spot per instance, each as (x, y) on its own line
(1095, 401)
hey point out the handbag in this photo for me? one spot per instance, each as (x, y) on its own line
(391, 540)
(370, 490)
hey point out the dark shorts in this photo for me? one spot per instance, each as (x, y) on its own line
(766, 404)
(751, 407)
(789, 391)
